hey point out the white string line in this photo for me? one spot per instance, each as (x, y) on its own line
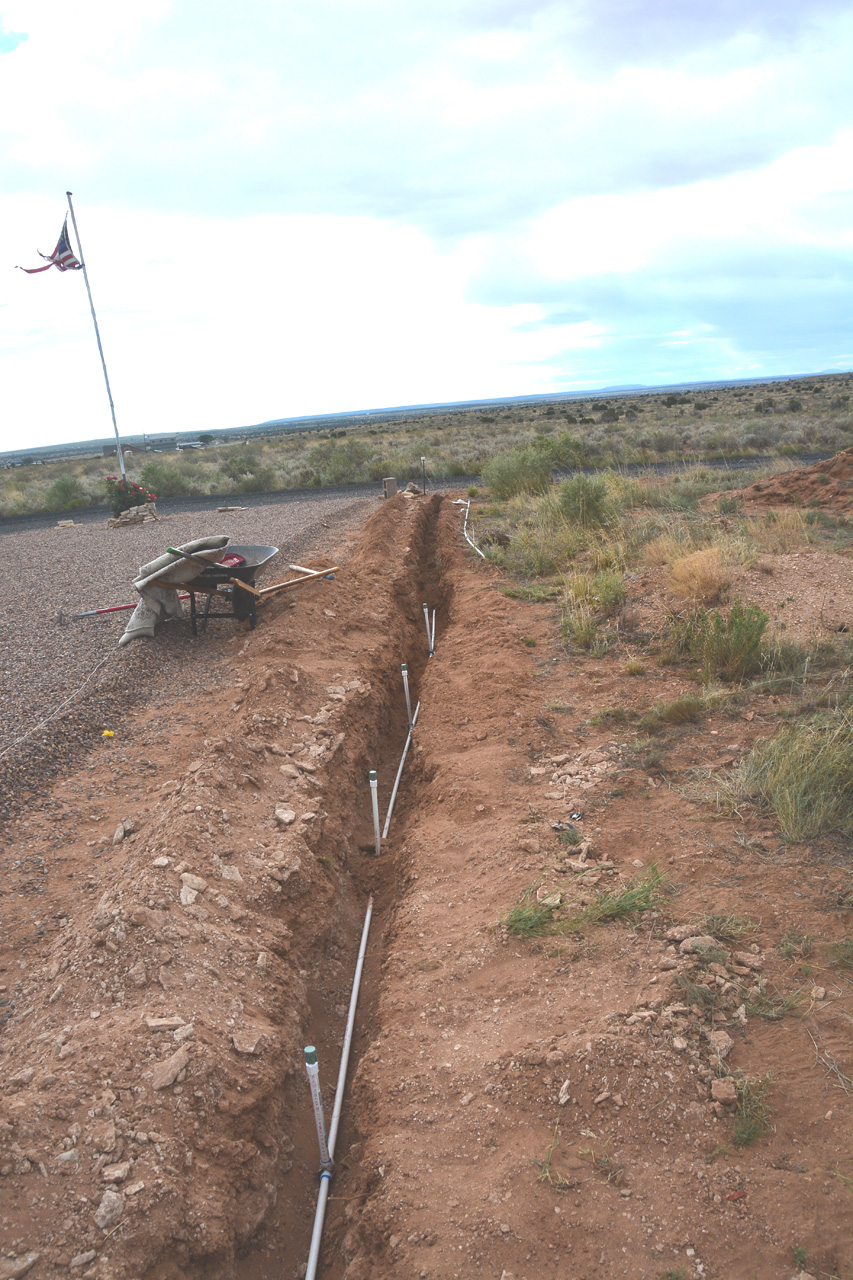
(56, 712)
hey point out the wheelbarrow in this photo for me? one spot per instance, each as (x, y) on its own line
(234, 581)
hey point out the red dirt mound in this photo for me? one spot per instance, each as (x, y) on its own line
(824, 484)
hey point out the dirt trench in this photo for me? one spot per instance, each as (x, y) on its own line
(525, 1109)
(214, 924)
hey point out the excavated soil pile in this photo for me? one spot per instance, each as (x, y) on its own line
(520, 1108)
(827, 485)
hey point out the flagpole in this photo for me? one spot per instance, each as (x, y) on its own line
(98, 336)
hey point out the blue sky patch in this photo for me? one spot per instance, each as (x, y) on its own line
(9, 40)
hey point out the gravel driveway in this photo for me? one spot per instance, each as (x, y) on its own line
(91, 566)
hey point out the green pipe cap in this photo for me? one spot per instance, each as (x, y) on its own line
(310, 1055)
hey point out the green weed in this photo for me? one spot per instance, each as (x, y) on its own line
(752, 1118)
(530, 918)
(794, 944)
(841, 953)
(643, 892)
(772, 1005)
(729, 927)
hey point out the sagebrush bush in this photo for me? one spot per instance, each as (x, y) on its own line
(516, 472)
(585, 500)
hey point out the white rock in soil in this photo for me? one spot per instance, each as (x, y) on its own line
(724, 1091)
(109, 1210)
(697, 944)
(166, 1073)
(194, 882)
(116, 1172)
(184, 1033)
(284, 817)
(229, 872)
(188, 895)
(246, 1041)
(82, 1259)
(721, 1043)
(12, 1268)
(160, 863)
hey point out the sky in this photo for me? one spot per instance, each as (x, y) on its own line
(330, 205)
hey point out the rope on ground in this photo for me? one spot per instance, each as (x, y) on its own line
(57, 710)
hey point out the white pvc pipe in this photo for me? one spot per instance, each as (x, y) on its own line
(326, 1176)
(470, 541)
(432, 635)
(429, 633)
(406, 691)
(311, 1066)
(399, 775)
(374, 797)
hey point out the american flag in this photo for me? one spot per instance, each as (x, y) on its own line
(62, 257)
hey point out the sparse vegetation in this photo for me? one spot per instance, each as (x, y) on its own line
(804, 774)
(644, 892)
(628, 430)
(771, 1004)
(752, 1118)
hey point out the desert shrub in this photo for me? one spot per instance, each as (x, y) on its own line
(65, 492)
(584, 500)
(701, 576)
(518, 471)
(567, 451)
(166, 479)
(804, 774)
(728, 646)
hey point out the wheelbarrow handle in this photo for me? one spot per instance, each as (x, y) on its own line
(187, 555)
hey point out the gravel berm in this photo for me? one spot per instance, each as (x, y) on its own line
(91, 566)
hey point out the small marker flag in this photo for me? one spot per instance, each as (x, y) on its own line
(62, 257)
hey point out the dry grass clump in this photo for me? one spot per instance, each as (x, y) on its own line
(778, 532)
(702, 577)
(666, 547)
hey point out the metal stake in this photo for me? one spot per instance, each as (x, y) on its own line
(374, 796)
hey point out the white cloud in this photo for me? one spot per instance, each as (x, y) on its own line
(323, 205)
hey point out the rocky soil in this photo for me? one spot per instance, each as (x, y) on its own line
(181, 907)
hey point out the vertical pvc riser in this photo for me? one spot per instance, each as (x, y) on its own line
(406, 691)
(312, 1067)
(429, 633)
(374, 797)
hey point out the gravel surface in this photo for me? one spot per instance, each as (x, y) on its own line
(90, 566)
